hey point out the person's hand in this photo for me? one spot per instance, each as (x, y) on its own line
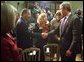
(44, 35)
(68, 53)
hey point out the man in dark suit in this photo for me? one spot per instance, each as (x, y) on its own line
(23, 34)
(70, 33)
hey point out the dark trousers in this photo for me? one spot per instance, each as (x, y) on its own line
(40, 45)
(65, 58)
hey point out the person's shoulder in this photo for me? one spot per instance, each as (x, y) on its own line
(20, 21)
(6, 39)
(74, 16)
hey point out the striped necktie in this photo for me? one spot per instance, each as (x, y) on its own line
(62, 25)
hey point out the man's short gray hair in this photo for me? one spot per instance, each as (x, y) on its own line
(66, 5)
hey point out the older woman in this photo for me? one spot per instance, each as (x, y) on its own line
(56, 20)
(9, 50)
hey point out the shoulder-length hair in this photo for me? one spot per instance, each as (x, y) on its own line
(7, 17)
(41, 19)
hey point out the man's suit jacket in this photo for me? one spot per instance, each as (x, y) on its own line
(71, 35)
(23, 34)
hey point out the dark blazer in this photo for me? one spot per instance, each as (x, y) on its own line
(71, 35)
(24, 35)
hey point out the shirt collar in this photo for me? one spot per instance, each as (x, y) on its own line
(68, 15)
(24, 20)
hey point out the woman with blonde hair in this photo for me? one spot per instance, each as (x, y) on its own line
(9, 49)
(43, 22)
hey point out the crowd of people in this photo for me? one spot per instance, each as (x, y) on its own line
(38, 27)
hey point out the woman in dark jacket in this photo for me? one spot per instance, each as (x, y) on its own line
(41, 26)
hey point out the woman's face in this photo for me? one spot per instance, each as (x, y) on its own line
(58, 17)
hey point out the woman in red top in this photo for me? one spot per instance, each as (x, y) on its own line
(9, 50)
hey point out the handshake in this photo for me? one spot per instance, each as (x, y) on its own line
(44, 35)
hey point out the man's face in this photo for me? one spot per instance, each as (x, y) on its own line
(63, 11)
(28, 15)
